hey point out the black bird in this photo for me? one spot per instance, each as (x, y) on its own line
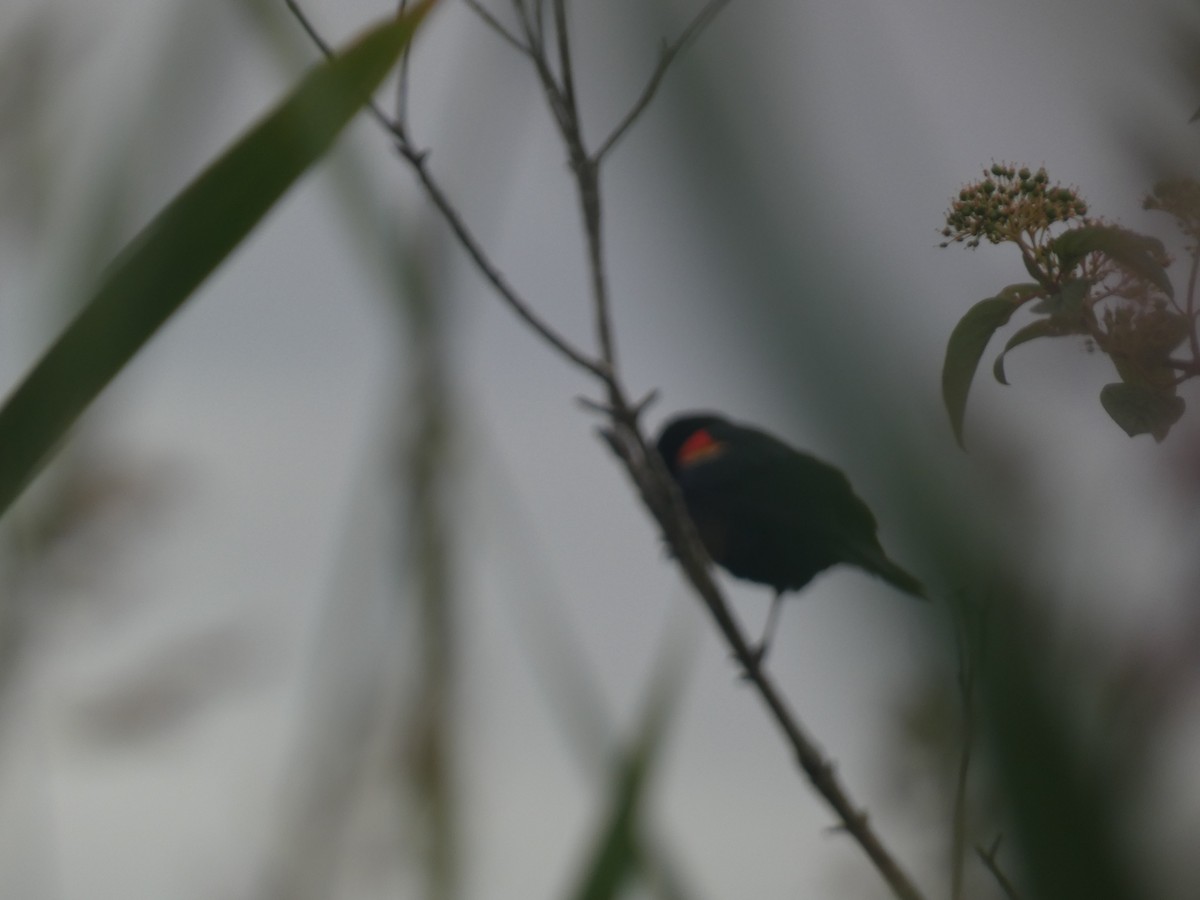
(768, 513)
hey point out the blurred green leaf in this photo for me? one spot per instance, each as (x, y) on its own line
(1141, 410)
(964, 350)
(1032, 331)
(1068, 826)
(1140, 254)
(617, 854)
(160, 268)
(615, 857)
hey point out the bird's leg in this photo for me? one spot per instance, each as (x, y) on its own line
(760, 652)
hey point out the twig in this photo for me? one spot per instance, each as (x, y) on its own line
(586, 169)
(1193, 341)
(402, 77)
(988, 857)
(969, 642)
(565, 68)
(490, 271)
(539, 22)
(531, 37)
(666, 57)
(498, 27)
(535, 35)
(309, 28)
(374, 109)
(605, 409)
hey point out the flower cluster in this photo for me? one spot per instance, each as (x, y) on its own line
(1010, 204)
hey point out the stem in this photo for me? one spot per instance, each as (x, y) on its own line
(402, 77)
(566, 69)
(666, 57)
(493, 275)
(493, 23)
(462, 233)
(1193, 341)
(589, 200)
(969, 642)
(988, 857)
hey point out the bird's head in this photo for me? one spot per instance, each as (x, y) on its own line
(692, 438)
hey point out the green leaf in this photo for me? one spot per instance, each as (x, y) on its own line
(1069, 826)
(1140, 254)
(1037, 274)
(1032, 331)
(964, 350)
(617, 854)
(161, 267)
(1141, 410)
(1064, 301)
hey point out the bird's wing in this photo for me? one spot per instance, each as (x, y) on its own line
(795, 491)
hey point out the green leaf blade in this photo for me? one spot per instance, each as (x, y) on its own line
(1139, 409)
(618, 854)
(1138, 253)
(160, 268)
(965, 348)
(1032, 331)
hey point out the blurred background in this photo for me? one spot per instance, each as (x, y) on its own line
(335, 593)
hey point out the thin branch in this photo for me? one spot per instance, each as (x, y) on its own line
(969, 631)
(539, 20)
(550, 86)
(605, 409)
(988, 857)
(566, 69)
(665, 58)
(562, 100)
(374, 109)
(498, 27)
(589, 189)
(309, 28)
(526, 23)
(1193, 341)
(433, 190)
(535, 40)
(402, 77)
(493, 275)
(531, 25)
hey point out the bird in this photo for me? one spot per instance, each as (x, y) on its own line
(768, 513)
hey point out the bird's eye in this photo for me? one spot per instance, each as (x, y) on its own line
(698, 447)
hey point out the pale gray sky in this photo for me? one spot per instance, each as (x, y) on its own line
(267, 406)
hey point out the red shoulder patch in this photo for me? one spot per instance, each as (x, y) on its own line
(699, 446)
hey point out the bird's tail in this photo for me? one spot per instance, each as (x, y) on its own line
(877, 563)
